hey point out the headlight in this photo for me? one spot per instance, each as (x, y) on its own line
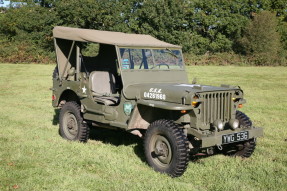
(218, 124)
(233, 123)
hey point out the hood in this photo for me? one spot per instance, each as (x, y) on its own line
(170, 92)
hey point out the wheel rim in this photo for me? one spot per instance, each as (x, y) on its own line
(161, 151)
(70, 125)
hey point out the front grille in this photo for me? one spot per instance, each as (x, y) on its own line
(216, 106)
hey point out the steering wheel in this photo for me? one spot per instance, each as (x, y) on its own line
(161, 64)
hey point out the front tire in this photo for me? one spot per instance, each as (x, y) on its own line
(72, 126)
(166, 148)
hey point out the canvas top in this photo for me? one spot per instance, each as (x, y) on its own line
(108, 37)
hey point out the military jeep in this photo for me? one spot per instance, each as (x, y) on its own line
(138, 84)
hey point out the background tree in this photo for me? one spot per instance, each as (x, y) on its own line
(162, 19)
(213, 26)
(26, 34)
(261, 41)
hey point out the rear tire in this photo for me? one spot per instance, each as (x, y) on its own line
(72, 126)
(55, 73)
(166, 148)
(243, 149)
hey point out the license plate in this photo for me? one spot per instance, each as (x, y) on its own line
(235, 137)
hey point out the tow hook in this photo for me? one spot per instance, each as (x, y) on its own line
(210, 151)
(219, 147)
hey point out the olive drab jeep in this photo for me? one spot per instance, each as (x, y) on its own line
(139, 84)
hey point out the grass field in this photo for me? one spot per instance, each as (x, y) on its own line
(34, 157)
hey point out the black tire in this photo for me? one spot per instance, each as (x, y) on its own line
(243, 149)
(166, 148)
(55, 73)
(244, 120)
(72, 126)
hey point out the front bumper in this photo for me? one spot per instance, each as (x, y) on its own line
(216, 139)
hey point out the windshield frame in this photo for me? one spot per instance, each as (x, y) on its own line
(120, 64)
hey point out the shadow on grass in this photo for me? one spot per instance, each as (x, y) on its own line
(118, 138)
(198, 159)
(113, 137)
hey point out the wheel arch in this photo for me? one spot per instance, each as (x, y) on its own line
(66, 96)
(143, 116)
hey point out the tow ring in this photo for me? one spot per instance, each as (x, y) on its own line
(219, 147)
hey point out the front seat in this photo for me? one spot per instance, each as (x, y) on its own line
(103, 86)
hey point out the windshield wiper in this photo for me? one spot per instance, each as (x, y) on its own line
(171, 53)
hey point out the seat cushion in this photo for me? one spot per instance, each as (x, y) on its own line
(102, 82)
(103, 87)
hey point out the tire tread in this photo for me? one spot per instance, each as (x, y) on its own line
(84, 129)
(181, 144)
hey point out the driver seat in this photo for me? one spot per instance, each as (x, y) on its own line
(103, 87)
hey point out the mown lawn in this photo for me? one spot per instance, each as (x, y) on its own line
(34, 157)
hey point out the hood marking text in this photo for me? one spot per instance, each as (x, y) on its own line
(154, 93)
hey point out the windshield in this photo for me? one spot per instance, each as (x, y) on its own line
(157, 59)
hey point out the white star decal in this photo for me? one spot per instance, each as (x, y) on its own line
(84, 90)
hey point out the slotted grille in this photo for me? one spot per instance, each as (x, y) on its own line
(216, 106)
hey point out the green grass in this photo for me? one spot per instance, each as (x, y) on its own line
(34, 157)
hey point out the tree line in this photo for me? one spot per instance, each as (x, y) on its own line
(253, 29)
